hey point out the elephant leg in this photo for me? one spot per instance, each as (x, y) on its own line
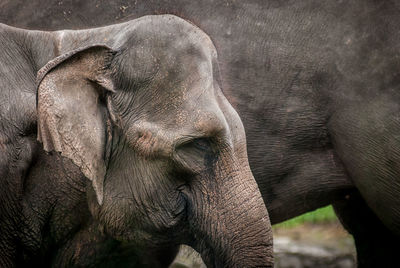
(15, 158)
(376, 245)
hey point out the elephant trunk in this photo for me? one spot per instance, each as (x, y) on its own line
(232, 226)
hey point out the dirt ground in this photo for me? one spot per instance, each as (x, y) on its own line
(306, 245)
(314, 245)
(331, 235)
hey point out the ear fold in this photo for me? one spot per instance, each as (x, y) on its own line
(72, 118)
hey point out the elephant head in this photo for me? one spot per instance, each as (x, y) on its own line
(145, 120)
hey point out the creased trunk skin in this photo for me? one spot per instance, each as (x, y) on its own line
(232, 223)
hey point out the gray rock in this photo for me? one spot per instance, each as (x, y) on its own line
(187, 258)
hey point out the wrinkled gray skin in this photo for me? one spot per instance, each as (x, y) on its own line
(316, 84)
(145, 152)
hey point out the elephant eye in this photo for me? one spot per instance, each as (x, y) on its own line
(195, 155)
(201, 144)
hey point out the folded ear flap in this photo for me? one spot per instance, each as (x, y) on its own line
(72, 117)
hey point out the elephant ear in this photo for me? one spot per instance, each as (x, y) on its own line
(72, 116)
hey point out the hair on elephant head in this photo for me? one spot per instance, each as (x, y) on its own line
(144, 118)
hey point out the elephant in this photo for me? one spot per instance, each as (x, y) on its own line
(117, 145)
(315, 85)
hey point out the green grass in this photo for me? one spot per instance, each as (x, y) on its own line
(322, 215)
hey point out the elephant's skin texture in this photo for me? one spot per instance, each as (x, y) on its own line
(316, 84)
(117, 145)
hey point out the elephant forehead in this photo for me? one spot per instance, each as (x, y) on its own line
(166, 51)
(168, 70)
(171, 35)
(173, 98)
